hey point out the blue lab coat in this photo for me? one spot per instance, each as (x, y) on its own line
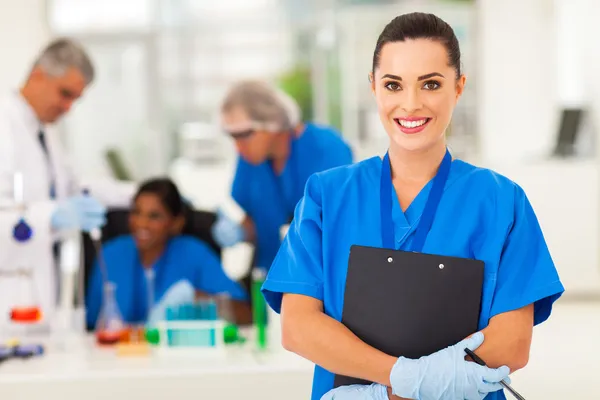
(482, 215)
(185, 258)
(269, 199)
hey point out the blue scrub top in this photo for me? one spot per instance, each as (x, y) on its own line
(185, 258)
(269, 199)
(482, 215)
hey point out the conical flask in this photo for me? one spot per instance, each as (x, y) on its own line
(110, 327)
(25, 309)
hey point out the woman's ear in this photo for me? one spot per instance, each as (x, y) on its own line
(460, 86)
(372, 82)
(178, 224)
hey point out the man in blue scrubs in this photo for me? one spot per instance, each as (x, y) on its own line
(277, 154)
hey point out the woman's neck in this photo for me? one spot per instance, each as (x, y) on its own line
(148, 257)
(416, 167)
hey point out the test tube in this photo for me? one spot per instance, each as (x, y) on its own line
(18, 193)
(259, 307)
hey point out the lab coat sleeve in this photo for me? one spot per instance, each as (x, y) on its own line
(210, 277)
(111, 192)
(108, 191)
(298, 266)
(526, 273)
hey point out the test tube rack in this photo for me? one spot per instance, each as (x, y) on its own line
(191, 329)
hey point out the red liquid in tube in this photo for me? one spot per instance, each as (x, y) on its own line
(26, 314)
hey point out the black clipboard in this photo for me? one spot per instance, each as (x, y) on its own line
(410, 304)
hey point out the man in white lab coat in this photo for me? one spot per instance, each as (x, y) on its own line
(50, 190)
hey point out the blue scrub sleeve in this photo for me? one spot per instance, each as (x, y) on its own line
(526, 273)
(93, 300)
(210, 277)
(298, 266)
(239, 187)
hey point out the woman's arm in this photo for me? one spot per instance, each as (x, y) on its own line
(508, 339)
(310, 333)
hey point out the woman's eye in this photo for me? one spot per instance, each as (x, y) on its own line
(431, 85)
(155, 216)
(393, 86)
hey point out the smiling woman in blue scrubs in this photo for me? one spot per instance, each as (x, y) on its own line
(155, 255)
(416, 81)
(277, 154)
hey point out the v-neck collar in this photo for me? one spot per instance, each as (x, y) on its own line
(406, 222)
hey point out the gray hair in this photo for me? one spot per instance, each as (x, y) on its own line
(268, 107)
(62, 54)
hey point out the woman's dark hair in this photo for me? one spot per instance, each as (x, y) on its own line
(166, 191)
(419, 26)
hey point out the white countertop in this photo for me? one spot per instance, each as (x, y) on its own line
(88, 370)
(564, 351)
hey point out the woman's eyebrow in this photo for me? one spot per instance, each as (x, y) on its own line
(421, 78)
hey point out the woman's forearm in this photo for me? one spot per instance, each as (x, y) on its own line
(508, 339)
(328, 343)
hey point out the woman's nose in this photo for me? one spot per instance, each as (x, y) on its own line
(412, 101)
(143, 222)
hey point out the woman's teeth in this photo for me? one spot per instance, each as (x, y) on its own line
(143, 235)
(411, 124)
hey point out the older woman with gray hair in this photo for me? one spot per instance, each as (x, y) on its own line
(277, 154)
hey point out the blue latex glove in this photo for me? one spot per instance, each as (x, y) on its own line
(357, 392)
(178, 294)
(226, 231)
(81, 212)
(446, 375)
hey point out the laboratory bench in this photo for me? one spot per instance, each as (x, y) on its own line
(82, 370)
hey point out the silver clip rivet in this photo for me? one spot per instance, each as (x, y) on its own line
(441, 266)
(390, 259)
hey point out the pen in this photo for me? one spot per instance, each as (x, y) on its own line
(479, 361)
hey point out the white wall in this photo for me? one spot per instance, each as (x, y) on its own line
(516, 79)
(592, 59)
(565, 196)
(523, 83)
(23, 32)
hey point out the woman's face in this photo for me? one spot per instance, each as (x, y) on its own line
(253, 145)
(150, 223)
(416, 92)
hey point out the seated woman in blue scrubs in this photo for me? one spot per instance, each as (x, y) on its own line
(277, 154)
(416, 81)
(155, 251)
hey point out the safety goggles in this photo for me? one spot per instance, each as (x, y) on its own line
(240, 135)
(246, 130)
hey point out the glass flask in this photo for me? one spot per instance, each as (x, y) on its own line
(110, 328)
(25, 309)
